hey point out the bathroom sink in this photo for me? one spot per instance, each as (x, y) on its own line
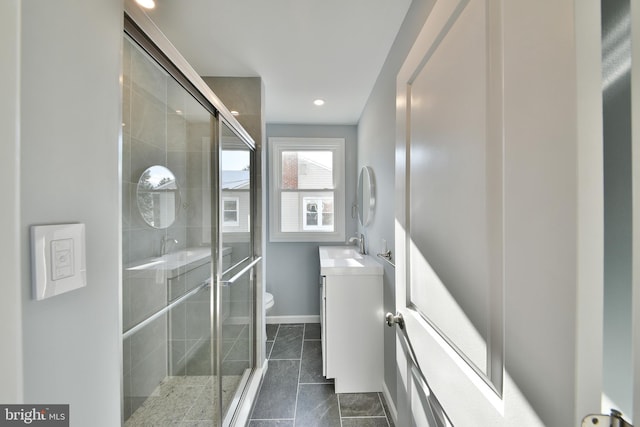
(340, 252)
(174, 263)
(346, 260)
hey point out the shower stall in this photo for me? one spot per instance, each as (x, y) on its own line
(188, 245)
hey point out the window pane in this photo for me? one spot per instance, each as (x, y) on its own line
(231, 216)
(327, 219)
(316, 219)
(307, 211)
(289, 170)
(312, 206)
(291, 216)
(312, 218)
(307, 170)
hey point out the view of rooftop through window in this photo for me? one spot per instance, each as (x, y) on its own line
(312, 209)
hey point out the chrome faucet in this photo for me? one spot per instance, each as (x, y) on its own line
(164, 244)
(359, 241)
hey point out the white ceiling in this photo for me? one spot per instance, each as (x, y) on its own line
(302, 49)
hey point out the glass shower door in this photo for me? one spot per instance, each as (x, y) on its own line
(236, 276)
(167, 197)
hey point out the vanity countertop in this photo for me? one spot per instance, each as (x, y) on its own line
(347, 261)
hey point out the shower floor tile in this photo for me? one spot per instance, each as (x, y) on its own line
(183, 401)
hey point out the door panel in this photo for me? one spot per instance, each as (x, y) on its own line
(449, 246)
(451, 194)
(166, 313)
(499, 212)
(236, 289)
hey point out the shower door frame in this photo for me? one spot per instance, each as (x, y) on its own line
(247, 265)
(139, 27)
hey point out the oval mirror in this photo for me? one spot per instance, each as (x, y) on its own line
(366, 195)
(158, 197)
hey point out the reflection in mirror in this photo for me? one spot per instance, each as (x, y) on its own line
(235, 210)
(158, 197)
(366, 196)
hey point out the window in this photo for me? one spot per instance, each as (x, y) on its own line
(230, 211)
(306, 190)
(318, 213)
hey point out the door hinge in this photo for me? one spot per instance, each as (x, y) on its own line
(613, 420)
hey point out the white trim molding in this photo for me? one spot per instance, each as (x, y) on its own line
(293, 319)
(278, 145)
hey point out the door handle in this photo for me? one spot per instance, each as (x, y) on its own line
(396, 319)
(436, 415)
(613, 420)
(241, 273)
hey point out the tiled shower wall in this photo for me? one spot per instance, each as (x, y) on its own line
(163, 125)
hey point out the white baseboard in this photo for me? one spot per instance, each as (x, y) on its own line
(293, 319)
(390, 404)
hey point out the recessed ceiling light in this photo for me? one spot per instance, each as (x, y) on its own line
(179, 112)
(319, 102)
(147, 4)
(234, 112)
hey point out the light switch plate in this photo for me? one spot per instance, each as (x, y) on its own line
(57, 259)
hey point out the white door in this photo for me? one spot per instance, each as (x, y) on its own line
(499, 235)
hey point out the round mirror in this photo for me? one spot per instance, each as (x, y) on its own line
(158, 197)
(366, 195)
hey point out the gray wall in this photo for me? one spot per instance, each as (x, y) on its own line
(293, 268)
(70, 124)
(10, 303)
(244, 95)
(376, 148)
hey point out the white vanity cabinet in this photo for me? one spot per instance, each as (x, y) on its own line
(352, 323)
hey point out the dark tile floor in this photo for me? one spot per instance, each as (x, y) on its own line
(294, 392)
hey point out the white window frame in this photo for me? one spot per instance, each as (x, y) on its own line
(235, 223)
(337, 146)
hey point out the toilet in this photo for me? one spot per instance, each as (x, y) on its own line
(268, 301)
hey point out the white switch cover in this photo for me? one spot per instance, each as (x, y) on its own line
(57, 259)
